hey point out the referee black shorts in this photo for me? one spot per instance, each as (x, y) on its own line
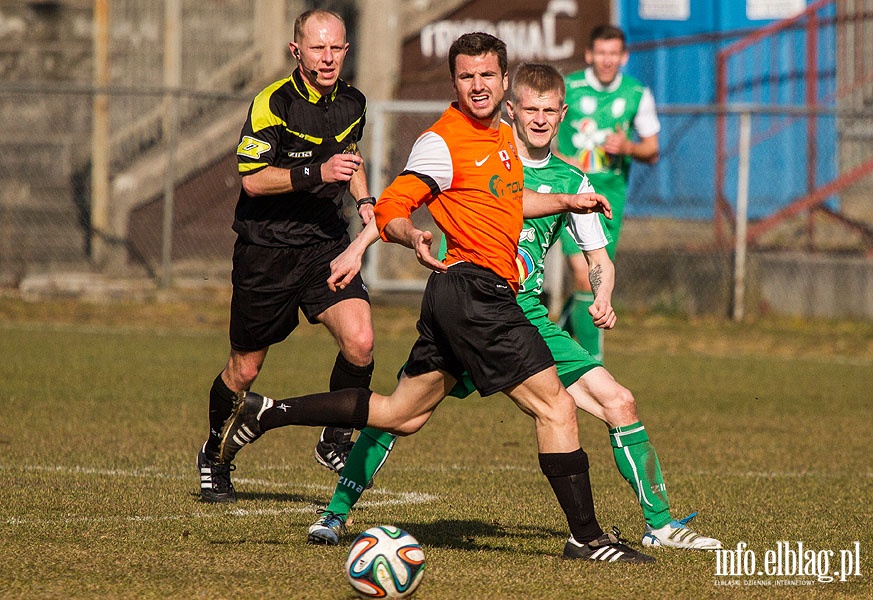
(470, 321)
(270, 286)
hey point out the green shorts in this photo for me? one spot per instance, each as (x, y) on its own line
(571, 359)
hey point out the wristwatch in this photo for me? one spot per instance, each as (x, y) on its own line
(363, 201)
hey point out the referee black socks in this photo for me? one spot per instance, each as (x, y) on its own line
(345, 375)
(348, 375)
(220, 408)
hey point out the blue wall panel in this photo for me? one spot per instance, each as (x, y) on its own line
(701, 19)
(677, 59)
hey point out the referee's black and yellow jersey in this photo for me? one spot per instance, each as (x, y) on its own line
(291, 125)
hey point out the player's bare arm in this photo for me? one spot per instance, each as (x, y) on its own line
(645, 150)
(537, 204)
(367, 214)
(402, 231)
(348, 264)
(359, 190)
(601, 275)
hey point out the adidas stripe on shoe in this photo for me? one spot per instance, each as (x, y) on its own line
(242, 427)
(327, 529)
(215, 483)
(677, 534)
(609, 547)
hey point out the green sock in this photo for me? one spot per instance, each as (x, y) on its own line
(565, 320)
(583, 328)
(638, 463)
(364, 461)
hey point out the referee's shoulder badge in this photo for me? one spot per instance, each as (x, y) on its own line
(252, 147)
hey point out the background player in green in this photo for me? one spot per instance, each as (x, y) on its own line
(605, 109)
(536, 107)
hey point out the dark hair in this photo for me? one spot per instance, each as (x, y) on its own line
(606, 32)
(477, 44)
(301, 20)
(538, 78)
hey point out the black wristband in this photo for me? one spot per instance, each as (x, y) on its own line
(305, 177)
(363, 201)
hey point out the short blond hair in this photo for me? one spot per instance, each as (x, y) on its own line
(537, 77)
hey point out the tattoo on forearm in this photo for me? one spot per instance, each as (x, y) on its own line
(595, 276)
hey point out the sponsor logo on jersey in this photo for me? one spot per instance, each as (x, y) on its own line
(593, 161)
(252, 147)
(589, 139)
(527, 234)
(479, 163)
(500, 188)
(352, 485)
(305, 154)
(525, 263)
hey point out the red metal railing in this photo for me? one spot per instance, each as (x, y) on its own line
(854, 58)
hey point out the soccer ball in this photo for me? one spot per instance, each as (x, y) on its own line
(385, 562)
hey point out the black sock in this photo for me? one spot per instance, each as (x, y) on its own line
(346, 375)
(221, 400)
(568, 475)
(343, 408)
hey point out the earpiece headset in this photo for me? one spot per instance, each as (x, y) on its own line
(312, 72)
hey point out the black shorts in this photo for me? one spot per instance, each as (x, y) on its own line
(270, 286)
(470, 321)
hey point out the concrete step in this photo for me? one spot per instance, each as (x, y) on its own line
(44, 226)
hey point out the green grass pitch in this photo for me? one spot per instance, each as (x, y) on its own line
(765, 428)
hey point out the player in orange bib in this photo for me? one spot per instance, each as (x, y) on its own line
(467, 171)
(471, 178)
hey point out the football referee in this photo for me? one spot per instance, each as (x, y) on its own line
(298, 158)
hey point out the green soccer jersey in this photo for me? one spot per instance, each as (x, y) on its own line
(595, 111)
(551, 175)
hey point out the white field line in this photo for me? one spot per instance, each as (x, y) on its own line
(155, 473)
(388, 498)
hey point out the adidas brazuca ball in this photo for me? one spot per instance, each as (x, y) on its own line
(385, 562)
